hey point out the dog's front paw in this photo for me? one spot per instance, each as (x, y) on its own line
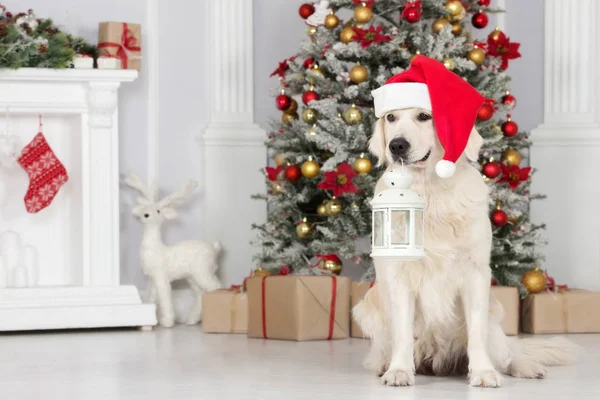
(398, 377)
(166, 320)
(485, 378)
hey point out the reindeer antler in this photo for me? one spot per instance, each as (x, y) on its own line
(134, 181)
(178, 196)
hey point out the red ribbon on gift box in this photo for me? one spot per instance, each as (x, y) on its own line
(128, 41)
(331, 307)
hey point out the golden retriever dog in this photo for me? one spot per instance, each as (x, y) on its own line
(435, 316)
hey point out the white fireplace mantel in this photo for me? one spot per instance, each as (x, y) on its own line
(88, 293)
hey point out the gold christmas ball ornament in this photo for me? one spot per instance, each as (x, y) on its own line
(457, 28)
(310, 168)
(455, 9)
(346, 34)
(439, 24)
(363, 165)
(363, 14)
(279, 159)
(495, 35)
(303, 229)
(476, 55)
(331, 21)
(512, 157)
(293, 107)
(358, 74)
(309, 115)
(322, 209)
(317, 70)
(449, 63)
(261, 272)
(534, 280)
(333, 207)
(353, 115)
(287, 117)
(333, 266)
(311, 30)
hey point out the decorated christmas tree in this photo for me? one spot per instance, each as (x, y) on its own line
(319, 190)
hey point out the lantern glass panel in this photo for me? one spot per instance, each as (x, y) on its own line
(378, 228)
(419, 228)
(400, 225)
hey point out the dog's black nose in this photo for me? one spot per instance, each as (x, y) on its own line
(146, 215)
(399, 147)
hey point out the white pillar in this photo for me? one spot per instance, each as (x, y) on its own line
(233, 146)
(566, 146)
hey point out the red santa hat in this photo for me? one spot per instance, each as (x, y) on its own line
(453, 102)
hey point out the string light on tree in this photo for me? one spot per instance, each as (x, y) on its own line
(303, 229)
(534, 280)
(311, 131)
(353, 115)
(309, 115)
(363, 165)
(480, 20)
(331, 21)
(310, 168)
(358, 73)
(315, 69)
(363, 13)
(509, 101)
(512, 157)
(510, 127)
(276, 188)
(417, 53)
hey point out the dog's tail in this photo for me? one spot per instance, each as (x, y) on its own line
(548, 352)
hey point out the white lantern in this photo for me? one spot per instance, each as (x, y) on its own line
(398, 223)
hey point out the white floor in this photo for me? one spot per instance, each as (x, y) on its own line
(183, 363)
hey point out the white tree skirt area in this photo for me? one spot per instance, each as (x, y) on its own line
(183, 363)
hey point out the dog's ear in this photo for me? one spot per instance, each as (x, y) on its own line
(474, 145)
(377, 142)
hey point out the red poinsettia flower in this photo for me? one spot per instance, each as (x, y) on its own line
(503, 48)
(272, 173)
(339, 181)
(514, 175)
(283, 67)
(369, 36)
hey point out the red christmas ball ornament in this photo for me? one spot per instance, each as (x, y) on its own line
(491, 169)
(412, 14)
(306, 10)
(484, 3)
(293, 173)
(510, 128)
(309, 96)
(485, 112)
(499, 218)
(283, 102)
(308, 63)
(509, 101)
(480, 20)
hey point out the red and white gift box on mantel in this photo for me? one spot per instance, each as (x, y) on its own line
(120, 40)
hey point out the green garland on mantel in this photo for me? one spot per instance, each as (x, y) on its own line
(28, 41)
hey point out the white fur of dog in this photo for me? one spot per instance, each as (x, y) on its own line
(435, 316)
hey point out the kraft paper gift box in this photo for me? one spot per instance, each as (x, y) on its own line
(225, 311)
(122, 40)
(359, 290)
(508, 297)
(565, 311)
(298, 307)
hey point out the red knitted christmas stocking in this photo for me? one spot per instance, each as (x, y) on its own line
(46, 173)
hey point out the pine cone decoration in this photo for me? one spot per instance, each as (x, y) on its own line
(51, 31)
(25, 26)
(3, 29)
(43, 49)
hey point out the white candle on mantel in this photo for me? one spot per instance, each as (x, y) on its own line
(10, 245)
(30, 261)
(19, 277)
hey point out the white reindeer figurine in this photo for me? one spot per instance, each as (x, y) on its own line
(193, 260)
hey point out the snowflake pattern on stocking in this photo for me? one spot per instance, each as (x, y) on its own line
(46, 174)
